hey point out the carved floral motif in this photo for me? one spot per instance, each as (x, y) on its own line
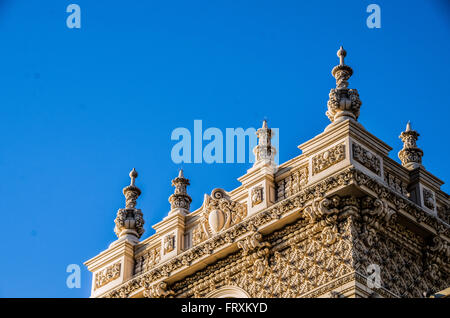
(366, 158)
(107, 275)
(149, 259)
(293, 183)
(328, 158)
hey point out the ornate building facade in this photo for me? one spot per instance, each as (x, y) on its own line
(340, 220)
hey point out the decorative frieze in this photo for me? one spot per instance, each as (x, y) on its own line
(148, 260)
(328, 158)
(293, 183)
(366, 158)
(395, 183)
(107, 275)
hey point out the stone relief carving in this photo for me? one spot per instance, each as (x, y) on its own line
(443, 213)
(328, 158)
(293, 183)
(169, 243)
(366, 158)
(149, 259)
(219, 213)
(107, 275)
(428, 198)
(257, 195)
(158, 290)
(395, 183)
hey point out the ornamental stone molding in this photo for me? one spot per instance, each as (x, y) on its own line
(328, 158)
(257, 195)
(366, 158)
(107, 275)
(310, 227)
(219, 213)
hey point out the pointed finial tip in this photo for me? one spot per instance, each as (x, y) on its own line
(264, 123)
(341, 53)
(408, 126)
(133, 174)
(180, 173)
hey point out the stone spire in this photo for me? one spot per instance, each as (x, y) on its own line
(344, 102)
(410, 155)
(264, 151)
(180, 199)
(129, 221)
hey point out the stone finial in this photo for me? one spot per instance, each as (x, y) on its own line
(131, 192)
(264, 151)
(180, 199)
(129, 221)
(410, 155)
(344, 103)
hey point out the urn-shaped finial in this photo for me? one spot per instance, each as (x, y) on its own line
(264, 151)
(180, 199)
(129, 221)
(344, 102)
(410, 155)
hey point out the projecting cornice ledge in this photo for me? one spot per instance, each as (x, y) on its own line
(266, 221)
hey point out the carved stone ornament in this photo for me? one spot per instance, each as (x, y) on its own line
(180, 198)
(107, 275)
(158, 290)
(147, 260)
(293, 183)
(366, 158)
(344, 103)
(219, 213)
(257, 195)
(130, 220)
(328, 158)
(428, 198)
(169, 243)
(410, 155)
(331, 244)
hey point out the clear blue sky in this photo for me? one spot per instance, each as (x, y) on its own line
(80, 108)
